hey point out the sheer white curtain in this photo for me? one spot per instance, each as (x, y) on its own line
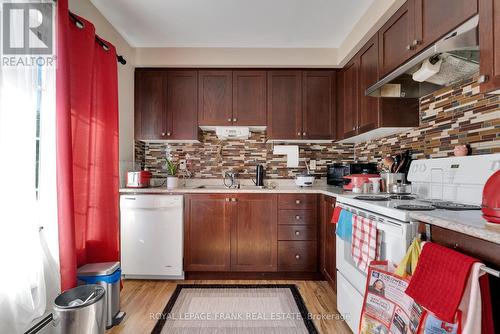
(29, 274)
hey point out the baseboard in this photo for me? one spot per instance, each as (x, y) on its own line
(302, 276)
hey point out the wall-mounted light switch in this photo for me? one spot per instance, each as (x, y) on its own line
(182, 164)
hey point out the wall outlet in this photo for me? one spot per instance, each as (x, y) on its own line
(312, 165)
(182, 164)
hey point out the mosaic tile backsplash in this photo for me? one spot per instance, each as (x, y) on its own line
(455, 115)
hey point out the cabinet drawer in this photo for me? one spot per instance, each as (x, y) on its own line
(294, 217)
(297, 232)
(297, 256)
(297, 201)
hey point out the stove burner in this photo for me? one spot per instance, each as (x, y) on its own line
(371, 198)
(403, 197)
(456, 206)
(415, 207)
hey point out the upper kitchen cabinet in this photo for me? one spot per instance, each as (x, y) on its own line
(150, 107)
(395, 38)
(435, 18)
(284, 104)
(348, 112)
(368, 109)
(166, 105)
(215, 97)
(249, 98)
(416, 25)
(318, 99)
(182, 105)
(489, 45)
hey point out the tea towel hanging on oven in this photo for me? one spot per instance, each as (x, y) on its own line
(364, 242)
(344, 225)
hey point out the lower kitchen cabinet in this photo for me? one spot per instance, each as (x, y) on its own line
(297, 256)
(207, 232)
(254, 233)
(327, 256)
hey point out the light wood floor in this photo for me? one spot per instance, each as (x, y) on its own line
(140, 298)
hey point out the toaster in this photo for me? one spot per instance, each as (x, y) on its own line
(140, 179)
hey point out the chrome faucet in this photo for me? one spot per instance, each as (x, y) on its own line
(230, 180)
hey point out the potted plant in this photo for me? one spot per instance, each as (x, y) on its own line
(172, 179)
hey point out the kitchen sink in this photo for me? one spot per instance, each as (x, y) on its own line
(222, 187)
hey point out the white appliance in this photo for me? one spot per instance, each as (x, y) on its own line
(454, 183)
(151, 236)
(232, 132)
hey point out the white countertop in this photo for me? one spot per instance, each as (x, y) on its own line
(467, 222)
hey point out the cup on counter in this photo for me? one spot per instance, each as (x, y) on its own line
(390, 179)
(375, 183)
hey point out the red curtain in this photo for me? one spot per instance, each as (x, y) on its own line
(87, 147)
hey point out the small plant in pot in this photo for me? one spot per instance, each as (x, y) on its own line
(172, 179)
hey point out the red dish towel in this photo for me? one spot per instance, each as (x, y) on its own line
(487, 323)
(440, 279)
(364, 241)
(336, 215)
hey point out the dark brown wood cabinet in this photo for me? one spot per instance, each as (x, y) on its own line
(368, 106)
(249, 98)
(215, 97)
(395, 38)
(207, 232)
(435, 18)
(150, 105)
(284, 104)
(489, 45)
(350, 99)
(328, 241)
(318, 109)
(254, 233)
(166, 104)
(182, 105)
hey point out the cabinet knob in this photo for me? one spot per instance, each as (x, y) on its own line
(415, 42)
(297, 233)
(227, 199)
(297, 201)
(297, 217)
(163, 133)
(168, 133)
(233, 199)
(229, 119)
(298, 133)
(409, 47)
(353, 128)
(235, 120)
(303, 133)
(297, 256)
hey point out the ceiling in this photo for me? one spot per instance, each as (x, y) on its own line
(234, 23)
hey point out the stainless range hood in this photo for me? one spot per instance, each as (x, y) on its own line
(451, 59)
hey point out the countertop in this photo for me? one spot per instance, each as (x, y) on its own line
(467, 222)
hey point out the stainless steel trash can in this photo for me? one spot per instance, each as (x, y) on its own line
(106, 274)
(80, 310)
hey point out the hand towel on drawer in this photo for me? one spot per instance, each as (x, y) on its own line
(344, 226)
(440, 280)
(364, 241)
(336, 215)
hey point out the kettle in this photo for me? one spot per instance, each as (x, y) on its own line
(259, 176)
(491, 199)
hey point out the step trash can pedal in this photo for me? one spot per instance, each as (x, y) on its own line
(107, 275)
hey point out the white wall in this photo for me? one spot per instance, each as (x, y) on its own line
(104, 29)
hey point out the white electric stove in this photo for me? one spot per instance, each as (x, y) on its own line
(446, 184)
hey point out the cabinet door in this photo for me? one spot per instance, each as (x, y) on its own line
(215, 97)
(254, 233)
(435, 18)
(489, 44)
(318, 99)
(249, 98)
(350, 99)
(284, 104)
(328, 264)
(207, 235)
(182, 105)
(368, 113)
(150, 108)
(395, 38)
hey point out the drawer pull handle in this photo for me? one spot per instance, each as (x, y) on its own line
(297, 201)
(297, 233)
(233, 199)
(297, 217)
(297, 256)
(227, 199)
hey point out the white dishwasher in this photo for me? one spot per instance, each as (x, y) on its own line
(151, 236)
